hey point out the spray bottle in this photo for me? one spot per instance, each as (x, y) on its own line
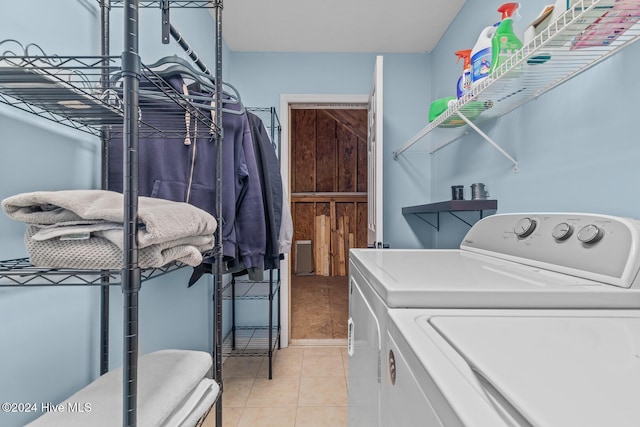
(464, 82)
(504, 42)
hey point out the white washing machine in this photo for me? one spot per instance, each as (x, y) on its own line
(508, 368)
(511, 261)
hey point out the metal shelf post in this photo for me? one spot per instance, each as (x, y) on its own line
(217, 288)
(105, 7)
(131, 274)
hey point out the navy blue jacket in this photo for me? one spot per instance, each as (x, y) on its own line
(170, 169)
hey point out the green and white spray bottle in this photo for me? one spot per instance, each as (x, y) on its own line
(504, 42)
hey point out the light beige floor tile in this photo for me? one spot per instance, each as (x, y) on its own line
(278, 392)
(324, 416)
(230, 417)
(268, 417)
(323, 391)
(322, 351)
(236, 391)
(345, 363)
(283, 366)
(323, 366)
(242, 367)
(290, 351)
(308, 389)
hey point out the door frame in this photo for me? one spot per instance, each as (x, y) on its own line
(312, 101)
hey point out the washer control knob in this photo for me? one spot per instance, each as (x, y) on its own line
(590, 234)
(524, 227)
(562, 231)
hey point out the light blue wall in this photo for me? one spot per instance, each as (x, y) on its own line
(262, 77)
(577, 149)
(49, 345)
(196, 26)
(50, 336)
(576, 145)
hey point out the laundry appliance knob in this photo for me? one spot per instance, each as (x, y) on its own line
(590, 234)
(524, 227)
(562, 231)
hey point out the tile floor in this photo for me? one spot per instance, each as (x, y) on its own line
(308, 389)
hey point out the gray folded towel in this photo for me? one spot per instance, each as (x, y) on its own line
(83, 229)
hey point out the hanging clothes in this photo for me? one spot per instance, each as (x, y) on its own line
(181, 166)
(271, 183)
(250, 218)
(278, 221)
(286, 226)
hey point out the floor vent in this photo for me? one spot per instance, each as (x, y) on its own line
(304, 257)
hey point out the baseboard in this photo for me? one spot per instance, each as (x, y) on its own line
(342, 342)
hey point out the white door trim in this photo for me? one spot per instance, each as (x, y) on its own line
(285, 167)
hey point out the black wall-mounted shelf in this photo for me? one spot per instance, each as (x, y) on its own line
(451, 206)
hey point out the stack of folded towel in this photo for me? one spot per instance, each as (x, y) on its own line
(174, 390)
(84, 229)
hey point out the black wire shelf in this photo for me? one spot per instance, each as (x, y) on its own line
(20, 272)
(178, 4)
(248, 290)
(250, 341)
(86, 93)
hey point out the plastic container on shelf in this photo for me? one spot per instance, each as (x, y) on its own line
(504, 43)
(549, 13)
(471, 110)
(481, 55)
(464, 82)
(439, 106)
(607, 28)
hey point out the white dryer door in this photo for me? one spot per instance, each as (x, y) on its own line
(553, 371)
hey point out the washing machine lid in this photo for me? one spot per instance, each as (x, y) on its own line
(552, 371)
(419, 278)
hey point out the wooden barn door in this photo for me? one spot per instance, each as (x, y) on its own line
(329, 185)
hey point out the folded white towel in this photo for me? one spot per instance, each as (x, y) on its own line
(165, 379)
(195, 405)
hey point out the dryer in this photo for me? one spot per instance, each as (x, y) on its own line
(512, 368)
(509, 261)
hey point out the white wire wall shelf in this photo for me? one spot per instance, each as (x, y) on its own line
(560, 52)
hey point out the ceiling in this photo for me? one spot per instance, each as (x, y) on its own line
(381, 26)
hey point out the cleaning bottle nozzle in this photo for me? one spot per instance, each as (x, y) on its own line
(464, 54)
(508, 9)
